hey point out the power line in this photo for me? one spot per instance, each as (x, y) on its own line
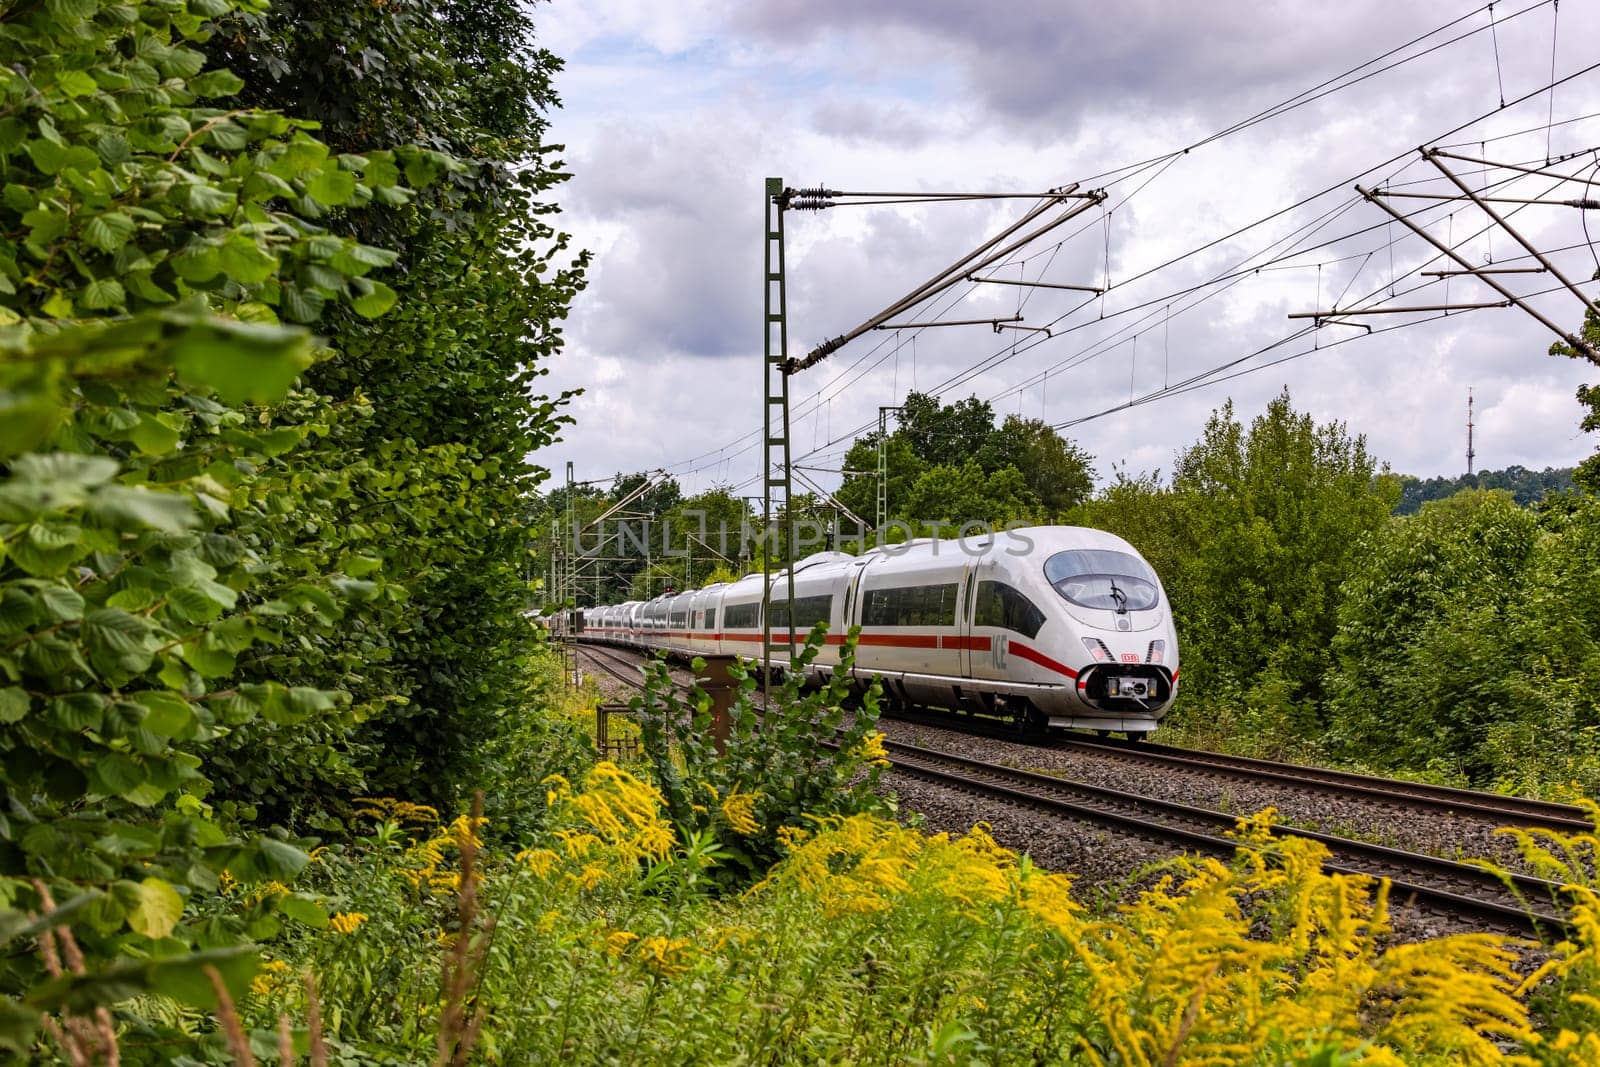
(1168, 159)
(1305, 96)
(1106, 344)
(994, 360)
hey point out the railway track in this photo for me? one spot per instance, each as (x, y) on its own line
(1396, 795)
(1527, 904)
(1518, 901)
(613, 664)
(1501, 809)
(622, 666)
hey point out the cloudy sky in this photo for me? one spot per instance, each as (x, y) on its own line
(675, 113)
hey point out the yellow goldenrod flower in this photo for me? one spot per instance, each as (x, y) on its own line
(388, 809)
(265, 890)
(271, 979)
(541, 861)
(591, 875)
(872, 751)
(665, 957)
(617, 941)
(739, 811)
(346, 921)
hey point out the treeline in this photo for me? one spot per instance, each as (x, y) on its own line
(1525, 486)
(269, 340)
(951, 462)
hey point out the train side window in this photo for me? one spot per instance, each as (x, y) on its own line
(808, 611)
(911, 605)
(741, 616)
(1002, 606)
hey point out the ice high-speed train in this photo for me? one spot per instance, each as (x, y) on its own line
(1057, 625)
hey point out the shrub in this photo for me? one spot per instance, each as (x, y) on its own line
(157, 252)
(785, 765)
(1470, 641)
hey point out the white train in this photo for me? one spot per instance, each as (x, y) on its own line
(1057, 625)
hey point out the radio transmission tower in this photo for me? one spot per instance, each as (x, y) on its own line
(1471, 455)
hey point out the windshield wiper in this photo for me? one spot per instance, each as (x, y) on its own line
(1119, 596)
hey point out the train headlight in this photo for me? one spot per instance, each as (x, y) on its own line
(1097, 648)
(1158, 651)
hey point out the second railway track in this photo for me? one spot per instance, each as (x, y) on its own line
(1520, 901)
(1502, 809)
(1396, 794)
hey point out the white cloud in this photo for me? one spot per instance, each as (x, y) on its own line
(675, 114)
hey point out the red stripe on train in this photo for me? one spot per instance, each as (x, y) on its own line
(975, 644)
(900, 640)
(1035, 656)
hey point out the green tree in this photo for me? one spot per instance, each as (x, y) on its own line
(1422, 644)
(1587, 474)
(1525, 486)
(968, 493)
(859, 492)
(1252, 540)
(159, 251)
(435, 478)
(947, 434)
(656, 501)
(1469, 642)
(1058, 473)
(1273, 517)
(710, 526)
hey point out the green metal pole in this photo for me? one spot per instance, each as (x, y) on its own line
(775, 420)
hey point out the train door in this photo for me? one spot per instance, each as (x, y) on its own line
(852, 592)
(964, 612)
(986, 644)
(851, 612)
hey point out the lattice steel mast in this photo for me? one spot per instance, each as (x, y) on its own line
(775, 478)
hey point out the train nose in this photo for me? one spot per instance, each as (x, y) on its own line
(1125, 687)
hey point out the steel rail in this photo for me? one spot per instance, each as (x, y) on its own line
(1500, 808)
(609, 658)
(1507, 810)
(1515, 899)
(609, 664)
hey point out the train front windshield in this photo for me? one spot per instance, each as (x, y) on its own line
(1103, 578)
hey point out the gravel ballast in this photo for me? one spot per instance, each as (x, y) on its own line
(1435, 833)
